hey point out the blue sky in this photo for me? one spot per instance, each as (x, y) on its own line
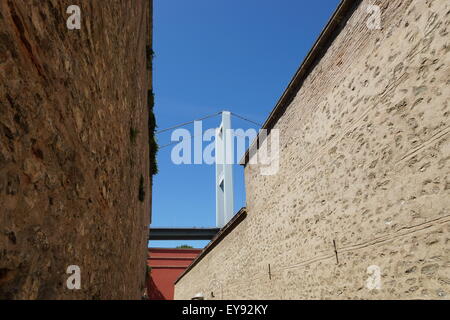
(214, 55)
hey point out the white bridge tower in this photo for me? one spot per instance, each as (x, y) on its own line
(224, 171)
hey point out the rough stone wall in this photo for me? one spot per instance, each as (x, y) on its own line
(365, 159)
(74, 144)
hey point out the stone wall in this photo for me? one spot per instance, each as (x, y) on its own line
(74, 144)
(364, 165)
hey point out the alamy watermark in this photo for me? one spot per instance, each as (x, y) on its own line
(74, 280)
(74, 20)
(373, 282)
(201, 147)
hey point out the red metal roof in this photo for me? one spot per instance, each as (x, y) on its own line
(167, 265)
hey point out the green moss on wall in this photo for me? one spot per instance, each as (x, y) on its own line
(152, 128)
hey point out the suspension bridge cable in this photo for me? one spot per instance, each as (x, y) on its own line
(200, 119)
(189, 122)
(248, 120)
(207, 117)
(178, 141)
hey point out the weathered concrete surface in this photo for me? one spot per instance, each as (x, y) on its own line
(365, 159)
(69, 168)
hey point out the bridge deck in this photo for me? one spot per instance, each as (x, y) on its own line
(183, 233)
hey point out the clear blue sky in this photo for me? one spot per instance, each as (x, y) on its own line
(214, 55)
